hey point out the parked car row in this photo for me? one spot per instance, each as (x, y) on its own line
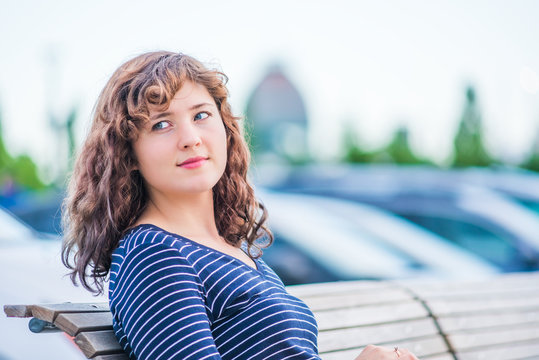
(322, 239)
(486, 217)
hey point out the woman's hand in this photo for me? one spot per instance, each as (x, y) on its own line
(372, 352)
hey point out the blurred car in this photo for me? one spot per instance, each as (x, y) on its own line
(320, 239)
(32, 272)
(15, 232)
(41, 210)
(520, 185)
(476, 218)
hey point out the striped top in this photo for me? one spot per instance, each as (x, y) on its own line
(173, 298)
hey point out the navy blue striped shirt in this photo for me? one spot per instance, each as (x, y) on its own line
(172, 298)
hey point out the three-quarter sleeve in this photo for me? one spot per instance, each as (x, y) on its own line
(158, 300)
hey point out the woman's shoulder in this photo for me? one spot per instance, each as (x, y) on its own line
(148, 243)
(147, 253)
(145, 235)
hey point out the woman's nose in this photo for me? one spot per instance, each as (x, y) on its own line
(188, 137)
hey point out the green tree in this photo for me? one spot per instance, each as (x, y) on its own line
(468, 143)
(70, 125)
(532, 161)
(5, 159)
(399, 149)
(353, 153)
(25, 173)
(21, 170)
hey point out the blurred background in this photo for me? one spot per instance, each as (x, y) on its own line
(390, 139)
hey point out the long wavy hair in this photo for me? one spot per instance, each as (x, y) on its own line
(106, 195)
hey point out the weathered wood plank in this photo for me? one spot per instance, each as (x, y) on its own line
(74, 323)
(500, 285)
(369, 315)
(121, 356)
(488, 337)
(357, 298)
(446, 356)
(48, 312)
(422, 348)
(451, 324)
(490, 293)
(336, 287)
(94, 343)
(18, 310)
(334, 340)
(528, 350)
(483, 305)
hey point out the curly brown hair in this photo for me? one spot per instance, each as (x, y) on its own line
(106, 195)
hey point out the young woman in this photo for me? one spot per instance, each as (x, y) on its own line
(159, 201)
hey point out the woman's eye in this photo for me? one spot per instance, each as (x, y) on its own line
(160, 125)
(201, 115)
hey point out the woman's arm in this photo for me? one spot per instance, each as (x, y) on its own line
(159, 304)
(372, 352)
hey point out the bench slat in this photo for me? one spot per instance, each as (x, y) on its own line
(355, 298)
(94, 343)
(48, 312)
(18, 310)
(335, 288)
(422, 348)
(121, 356)
(483, 305)
(452, 324)
(489, 337)
(367, 315)
(446, 356)
(362, 336)
(486, 294)
(529, 350)
(498, 286)
(74, 323)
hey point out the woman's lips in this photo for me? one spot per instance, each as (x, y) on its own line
(193, 162)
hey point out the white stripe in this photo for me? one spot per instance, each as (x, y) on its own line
(273, 344)
(204, 348)
(140, 327)
(248, 309)
(288, 357)
(126, 264)
(148, 298)
(200, 258)
(128, 284)
(150, 342)
(271, 324)
(213, 272)
(225, 302)
(177, 342)
(231, 283)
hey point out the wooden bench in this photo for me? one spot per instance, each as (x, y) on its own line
(494, 319)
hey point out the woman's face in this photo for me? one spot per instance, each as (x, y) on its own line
(183, 149)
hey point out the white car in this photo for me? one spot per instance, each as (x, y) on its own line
(353, 241)
(32, 272)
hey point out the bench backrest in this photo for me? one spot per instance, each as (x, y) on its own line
(494, 319)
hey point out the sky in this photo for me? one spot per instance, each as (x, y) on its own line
(374, 64)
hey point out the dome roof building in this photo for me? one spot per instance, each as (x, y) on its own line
(277, 120)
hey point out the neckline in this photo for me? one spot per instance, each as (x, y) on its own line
(257, 267)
